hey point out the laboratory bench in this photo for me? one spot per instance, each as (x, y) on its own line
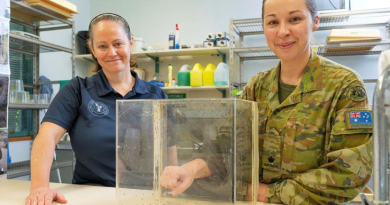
(14, 192)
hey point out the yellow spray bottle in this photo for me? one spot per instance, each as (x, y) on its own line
(170, 75)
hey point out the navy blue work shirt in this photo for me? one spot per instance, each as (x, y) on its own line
(86, 109)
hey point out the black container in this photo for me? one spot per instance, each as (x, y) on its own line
(82, 37)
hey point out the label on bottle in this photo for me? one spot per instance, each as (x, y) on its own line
(171, 41)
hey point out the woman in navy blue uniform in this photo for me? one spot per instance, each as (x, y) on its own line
(85, 107)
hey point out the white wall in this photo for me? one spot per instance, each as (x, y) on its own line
(58, 65)
(154, 19)
(371, 4)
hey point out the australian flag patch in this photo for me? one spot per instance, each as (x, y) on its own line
(359, 119)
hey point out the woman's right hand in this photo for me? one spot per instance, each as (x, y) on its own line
(44, 196)
(177, 178)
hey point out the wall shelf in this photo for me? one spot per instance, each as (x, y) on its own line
(167, 53)
(19, 169)
(34, 46)
(189, 88)
(28, 106)
(156, 54)
(330, 20)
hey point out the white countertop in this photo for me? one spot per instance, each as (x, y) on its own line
(14, 192)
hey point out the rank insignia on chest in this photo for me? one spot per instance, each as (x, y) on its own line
(271, 159)
(359, 119)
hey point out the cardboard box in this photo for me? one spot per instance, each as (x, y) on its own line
(353, 35)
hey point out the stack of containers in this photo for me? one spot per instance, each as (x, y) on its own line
(17, 93)
(210, 41)
(19, 96)
(222, 39)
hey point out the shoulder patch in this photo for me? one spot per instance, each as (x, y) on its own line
(359, 119)
(357, 93)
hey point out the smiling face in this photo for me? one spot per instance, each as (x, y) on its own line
(111, 46)
(288, 26)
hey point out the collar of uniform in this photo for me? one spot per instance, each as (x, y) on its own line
(311, 79)
(139, 86)
(312, 76)
(104, 87)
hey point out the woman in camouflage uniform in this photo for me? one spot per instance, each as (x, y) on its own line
(315, 126)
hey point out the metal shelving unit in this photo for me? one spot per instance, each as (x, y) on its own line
(329, 20)
(36, 21)
(366, 48)
(19, 169)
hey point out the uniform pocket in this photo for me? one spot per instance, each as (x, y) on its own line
(302, 146)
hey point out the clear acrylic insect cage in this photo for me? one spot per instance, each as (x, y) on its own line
(155, 134)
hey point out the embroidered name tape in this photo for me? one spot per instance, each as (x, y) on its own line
(359, 119)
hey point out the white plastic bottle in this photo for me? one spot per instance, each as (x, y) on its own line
(173, 82)
(177, 37)
(221, 74)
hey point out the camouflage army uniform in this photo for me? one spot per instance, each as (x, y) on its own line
(311, 149)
